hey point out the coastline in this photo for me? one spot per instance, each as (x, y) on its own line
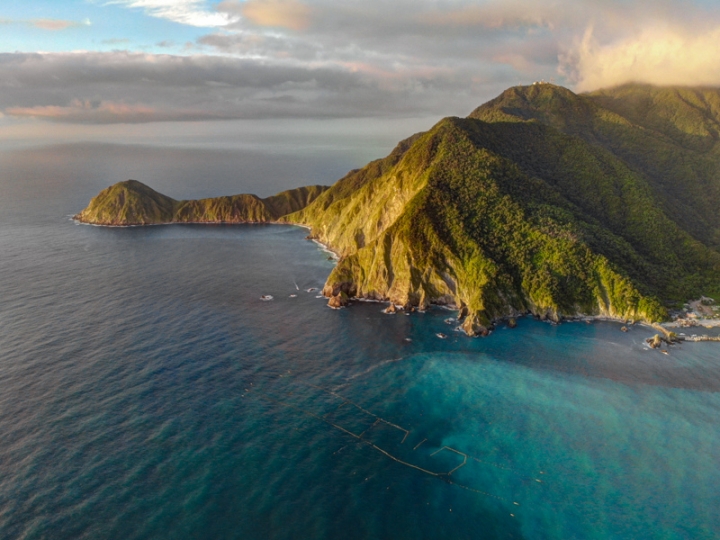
(698, 323)
(324, 247)
(164, 223)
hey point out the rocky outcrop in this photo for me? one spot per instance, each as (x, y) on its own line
(669, 338)
(339, 300)
(473, 326)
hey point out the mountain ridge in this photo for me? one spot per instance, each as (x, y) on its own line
(540, 201)
(133, 203)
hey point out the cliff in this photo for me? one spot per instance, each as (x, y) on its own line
(542, 201)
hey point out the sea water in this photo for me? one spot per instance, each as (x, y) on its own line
(146, 391)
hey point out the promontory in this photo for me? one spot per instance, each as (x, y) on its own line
(541, 201)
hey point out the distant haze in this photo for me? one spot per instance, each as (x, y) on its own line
(181, 173)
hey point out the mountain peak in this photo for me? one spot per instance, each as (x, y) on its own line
(544, 102)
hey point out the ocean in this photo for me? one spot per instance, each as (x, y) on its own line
(146, 391)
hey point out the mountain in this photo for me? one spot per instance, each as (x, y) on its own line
(133, 203)
(540, 201)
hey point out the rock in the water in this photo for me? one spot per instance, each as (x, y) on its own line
(624, 329)
(512, 323)
(339, 300)
(390, 309)
(655, 341)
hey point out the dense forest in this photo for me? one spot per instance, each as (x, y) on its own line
(541, 200)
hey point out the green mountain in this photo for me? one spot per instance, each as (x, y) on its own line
(541, 200)
(133, 203)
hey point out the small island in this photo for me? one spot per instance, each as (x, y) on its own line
(542, 201)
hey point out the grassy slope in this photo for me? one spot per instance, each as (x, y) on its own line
(133, 203)
(524, 205)
(128, 203)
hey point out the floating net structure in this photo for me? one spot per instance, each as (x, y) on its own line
(402, 445)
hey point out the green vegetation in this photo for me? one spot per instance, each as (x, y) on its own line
(541, 200)
(133, 203)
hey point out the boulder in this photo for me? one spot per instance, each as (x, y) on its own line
(339, 300)
(655, 341)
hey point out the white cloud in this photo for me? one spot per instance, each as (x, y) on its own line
(189, 12)
(658, 54)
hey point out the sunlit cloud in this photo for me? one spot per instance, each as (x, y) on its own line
(189, 12)
(290, 14)
(660, 55)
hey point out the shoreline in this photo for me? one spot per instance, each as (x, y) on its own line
(78, 221)
(699, 323)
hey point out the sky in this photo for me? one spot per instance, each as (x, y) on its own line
(155, 70)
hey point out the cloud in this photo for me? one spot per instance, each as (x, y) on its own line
(337, 58)
(89, 112)
(290, 14)
(131, 87)
(657, 55)
(115, 41)
(188, 12)
(663, 41)
(48, 24)
(507, 15)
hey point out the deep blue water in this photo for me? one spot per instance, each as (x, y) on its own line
(147, 392)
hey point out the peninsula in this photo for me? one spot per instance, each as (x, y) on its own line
(541, 201)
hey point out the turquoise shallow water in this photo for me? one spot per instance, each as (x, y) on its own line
(147, 392)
